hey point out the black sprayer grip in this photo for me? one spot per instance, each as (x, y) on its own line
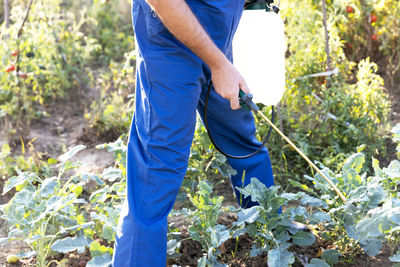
(246, 101)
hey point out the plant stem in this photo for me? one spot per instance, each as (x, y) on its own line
(7, 13)
(324, 20)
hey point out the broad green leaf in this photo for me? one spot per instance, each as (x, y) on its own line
(70, 244)
(359, 194)
(27, 254)
(355, 161)
(331, 256)
(108, 233)
(256, 251)
(219, 234)
(280, 257)
(377, 222)
(113, 215)
(303, 238)
(376, 195)
(66, 220)
(24, 197)
(97, 250)
(282, 237)
(103, 261)
(292, 196)
(396, 257)
(247, 215)
(70, 153)
(53, 203)
(352, 178)
(317, 263)
(239, 232)
(17, 180)
(395, 217)
(112, 174)
(101, 217)
(313, 201)
(320, 216)
(371, 246)
(377, 168)
(393, 170)
(298, 213)
(101, 195)
(172, 246)
(48, 187)
(202, 262)
(87, 177)
(255, 189)
(351, 231)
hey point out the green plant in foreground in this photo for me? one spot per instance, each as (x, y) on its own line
(204, 227)
(371, 215)
(44, 213)
(271, 226)
(33, 163)
(205, 161)
(106, 204)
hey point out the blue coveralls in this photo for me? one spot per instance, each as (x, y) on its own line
(171, 83)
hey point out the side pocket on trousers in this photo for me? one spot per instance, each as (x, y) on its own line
(154, 24)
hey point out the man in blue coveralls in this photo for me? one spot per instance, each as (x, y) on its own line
(182, 47)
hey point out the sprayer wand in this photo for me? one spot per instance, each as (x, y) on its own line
(246, 101)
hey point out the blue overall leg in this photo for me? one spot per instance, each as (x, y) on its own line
(234, 133)
(167, 93)
(169, 83)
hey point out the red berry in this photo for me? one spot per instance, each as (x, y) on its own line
(14, 53)
(82, 263)
(374, 37)
(10, 68)
(349, 9)
(373, 18)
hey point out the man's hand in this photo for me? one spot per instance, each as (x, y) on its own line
(183, 24)
(227, 81)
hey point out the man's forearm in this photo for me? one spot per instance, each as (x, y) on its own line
(183, 24)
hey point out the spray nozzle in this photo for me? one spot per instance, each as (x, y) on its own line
(246, 101)
(276, 9)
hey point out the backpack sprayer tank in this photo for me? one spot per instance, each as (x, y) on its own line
(259, 51)
(259, 55)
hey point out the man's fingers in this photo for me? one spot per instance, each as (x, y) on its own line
(235, 103)
(243, 86)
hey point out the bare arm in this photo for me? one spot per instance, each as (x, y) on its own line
(183, 24)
